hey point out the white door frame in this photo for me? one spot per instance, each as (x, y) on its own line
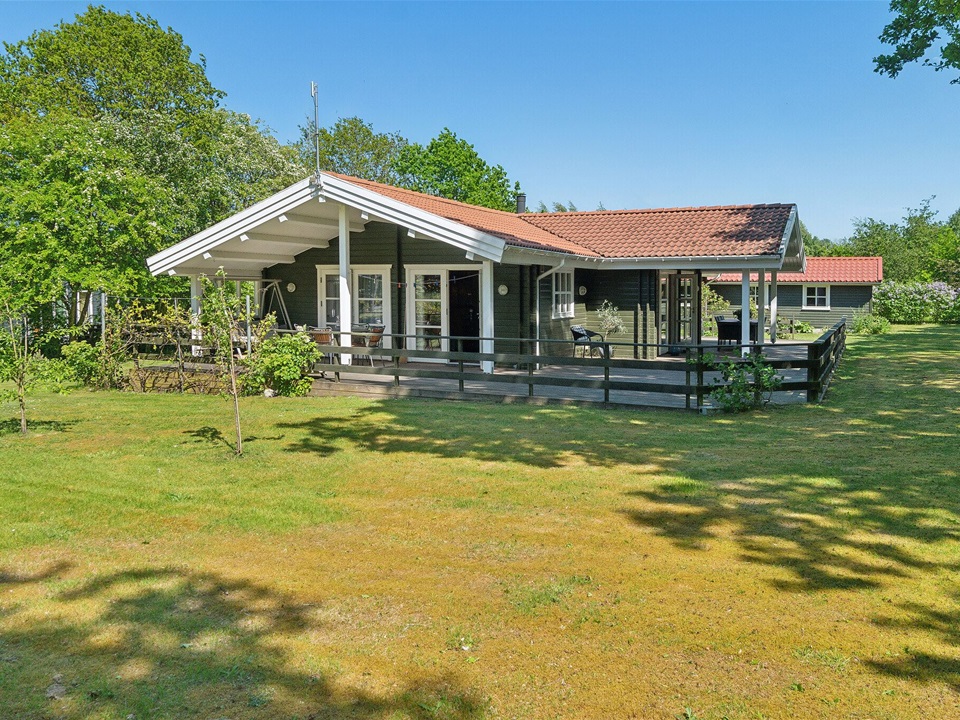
(444, 272)
(355, 272)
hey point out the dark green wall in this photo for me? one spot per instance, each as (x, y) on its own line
(845, 300)
(632, 291)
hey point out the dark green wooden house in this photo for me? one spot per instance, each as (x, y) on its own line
(341, 251)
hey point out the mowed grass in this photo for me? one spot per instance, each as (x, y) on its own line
(417, 559)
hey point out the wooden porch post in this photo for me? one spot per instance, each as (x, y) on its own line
(486, 314)
(773, 306)
(745, 313)
(761, 302)
(196, 292)
(346, 299)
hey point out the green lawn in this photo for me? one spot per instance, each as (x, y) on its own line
(417, 559)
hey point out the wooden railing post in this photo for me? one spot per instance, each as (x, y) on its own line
(813, 372)
(686, 363)
(699, 377)
(460, 363)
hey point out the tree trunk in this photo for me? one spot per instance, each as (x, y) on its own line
(236, 401)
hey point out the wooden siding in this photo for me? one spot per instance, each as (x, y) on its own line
(845, 300)
(633, 292)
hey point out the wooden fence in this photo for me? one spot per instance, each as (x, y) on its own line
(579, 379)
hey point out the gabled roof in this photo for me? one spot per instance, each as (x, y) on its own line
(305, 215)
(850, 270)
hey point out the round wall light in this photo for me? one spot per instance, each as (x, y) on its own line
(582, 290)
(291, 287)
(503, 290)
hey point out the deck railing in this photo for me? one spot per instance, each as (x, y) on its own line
(690, 376)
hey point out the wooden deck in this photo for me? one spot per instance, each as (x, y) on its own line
(624, 383)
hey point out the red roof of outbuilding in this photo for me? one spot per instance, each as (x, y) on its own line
(728, 231)
(858, 270)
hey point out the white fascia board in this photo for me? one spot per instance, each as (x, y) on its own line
(529, 256)
(233, 226)
(461, 236)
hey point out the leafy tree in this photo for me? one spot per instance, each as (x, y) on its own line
(450, 167)
(75, 212)
(919, 26)
(918, 249)
(351, 147)
(112, 146)
(104, 63)
(815, 246)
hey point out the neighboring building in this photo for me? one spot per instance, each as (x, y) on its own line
(828, 289)
(346, 250)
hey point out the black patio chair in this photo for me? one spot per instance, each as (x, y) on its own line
(583, 339)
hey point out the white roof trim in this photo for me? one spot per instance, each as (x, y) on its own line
(420, 221)
(232, 227)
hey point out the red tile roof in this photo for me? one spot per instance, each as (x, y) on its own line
(729, 231)
(863, 270)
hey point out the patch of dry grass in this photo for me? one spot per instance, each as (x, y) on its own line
(416, 559)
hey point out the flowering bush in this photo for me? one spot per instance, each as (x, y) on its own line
(907, 303)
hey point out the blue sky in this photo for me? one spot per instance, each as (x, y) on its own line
(630, 104)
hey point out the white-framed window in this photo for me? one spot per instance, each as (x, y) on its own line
(563, 294)
(370, 290)
(816, 297)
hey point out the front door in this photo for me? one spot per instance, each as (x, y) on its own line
(465, 308)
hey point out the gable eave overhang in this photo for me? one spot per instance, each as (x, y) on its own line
(468, 239)
(793, 257)
(182, 257)
(178, 256)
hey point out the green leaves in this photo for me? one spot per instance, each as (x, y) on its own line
(450, 167)
(917, 28)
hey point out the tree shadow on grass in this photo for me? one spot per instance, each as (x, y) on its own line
(534, 436)
(214, 436)
(12, 426)
(157, 642)
(863, 495)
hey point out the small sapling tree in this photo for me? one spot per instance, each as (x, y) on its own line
(220, 325)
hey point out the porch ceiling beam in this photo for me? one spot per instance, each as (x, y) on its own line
(253, 256)
(317, 222)
(287, 240)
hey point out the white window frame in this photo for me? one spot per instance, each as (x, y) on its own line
(444, 272)
(562, 294)
(355, 272)
(806, 306)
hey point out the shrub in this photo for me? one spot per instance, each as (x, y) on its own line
(802, 326)
(911, 303)
(746, 383)
(280, 364)
(82, 361)
(869, 324)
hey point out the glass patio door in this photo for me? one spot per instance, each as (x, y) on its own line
(370, 291)
(428, 311)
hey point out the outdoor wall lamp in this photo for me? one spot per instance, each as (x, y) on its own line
(291, 287)
(503, 290)
(582, 290)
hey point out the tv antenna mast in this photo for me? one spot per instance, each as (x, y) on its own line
(315, 94)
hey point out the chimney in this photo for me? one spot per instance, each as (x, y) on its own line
(521, 203)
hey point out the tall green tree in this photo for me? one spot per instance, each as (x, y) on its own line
(351, 147)
(919, 248)
(113, 145)
(76, 212)
(105, 63)
(450, 167)
(920, 25)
